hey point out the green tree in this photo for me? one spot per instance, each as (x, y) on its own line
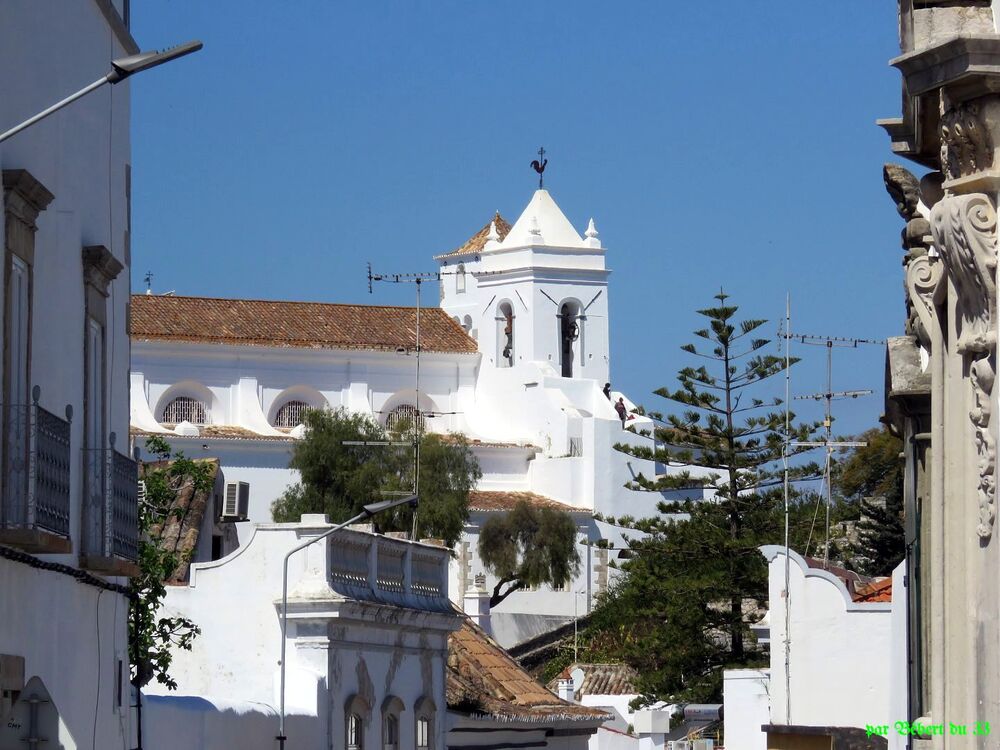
(873, 477)
(693, 586)
(151, 635)
(339, 478)
(528, 546)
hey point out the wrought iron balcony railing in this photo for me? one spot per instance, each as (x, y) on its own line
(110, 508)
(35, 478)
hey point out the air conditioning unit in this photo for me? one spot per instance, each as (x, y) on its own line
(679, 745)
(703, 745)
(236, 504)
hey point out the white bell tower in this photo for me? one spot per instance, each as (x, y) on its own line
(533, 292)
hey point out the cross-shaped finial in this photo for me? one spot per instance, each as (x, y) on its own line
(539, 166)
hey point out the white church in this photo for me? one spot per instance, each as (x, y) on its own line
(515, 357)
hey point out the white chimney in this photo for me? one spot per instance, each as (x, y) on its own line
(477, 604)
(565, 689)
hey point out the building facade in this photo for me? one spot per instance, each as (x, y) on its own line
(67, 484)
(522, 378)
(940, 374)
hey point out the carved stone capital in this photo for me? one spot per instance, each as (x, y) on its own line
(965, 233)
(966, 145)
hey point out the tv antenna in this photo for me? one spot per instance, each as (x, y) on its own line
(828, 396)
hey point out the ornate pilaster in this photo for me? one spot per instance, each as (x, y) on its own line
(965, 233)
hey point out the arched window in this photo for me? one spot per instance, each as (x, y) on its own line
(404, 415)
(424, 724)
(185, 409)
(505, 335)
(460, 279)
(570, 337)
(356, 713)
(355, 732)
(290, 414)
(392, 707)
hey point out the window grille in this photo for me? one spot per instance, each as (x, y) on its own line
(576, 446)
(405, 413)
(355, 738)
(391, 732)
(291, 414)
(561, 586)
(423, 733)
(185, 409)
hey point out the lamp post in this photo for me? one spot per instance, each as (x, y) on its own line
(367, 512)
(121, 69)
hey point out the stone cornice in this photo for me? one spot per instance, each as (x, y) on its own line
(100, 267)
(32, 197)
(968, 62)
(121, 31)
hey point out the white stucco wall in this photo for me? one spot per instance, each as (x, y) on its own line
(840, 650)
(899, 706)
(70, 634)
(746, 708)
(337, 647)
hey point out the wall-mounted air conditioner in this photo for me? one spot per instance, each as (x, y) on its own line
(680, 745)
(703, 745)
(236, 504)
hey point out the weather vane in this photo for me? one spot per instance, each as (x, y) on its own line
(539, 166)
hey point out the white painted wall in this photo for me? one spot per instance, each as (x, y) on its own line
(70, 634)
(336, 646)
(899, 707)
(839, 662)
(746, 708)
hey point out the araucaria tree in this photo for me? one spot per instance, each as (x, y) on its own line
(693, 586)
(343, 469)
(528, 546)
(151, 634)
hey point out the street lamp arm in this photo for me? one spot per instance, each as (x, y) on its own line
(121, 69)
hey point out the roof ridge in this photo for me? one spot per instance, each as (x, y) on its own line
(286, 302)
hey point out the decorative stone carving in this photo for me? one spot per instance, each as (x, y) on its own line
(965, 142)
(905, 190)
(923, 282)
(965, 233)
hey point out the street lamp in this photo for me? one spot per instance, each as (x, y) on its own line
(367, 512)
(121, 69)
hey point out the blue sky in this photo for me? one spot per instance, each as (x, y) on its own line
(726, 144)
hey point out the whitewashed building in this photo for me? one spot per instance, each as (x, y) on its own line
(515, 357)
(67, 485)
(836, 640)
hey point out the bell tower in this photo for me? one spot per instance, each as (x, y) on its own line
(535, 291)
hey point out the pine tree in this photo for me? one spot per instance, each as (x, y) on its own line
(695, 585)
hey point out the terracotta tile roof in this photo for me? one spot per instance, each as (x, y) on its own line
(852, 579)
(478, 241)
(307, 325)
(217, 431)
(484, 680)
(182, 525)
(877, 591)
(502, 500)
(476, 442)
(600, 679)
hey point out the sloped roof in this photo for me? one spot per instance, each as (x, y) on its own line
(876, 591)
(216, 431)
(484, 680)
(477, 241)
(181, 526)
(543, 214)
(502, 500)
(600, 679)
(307, 325)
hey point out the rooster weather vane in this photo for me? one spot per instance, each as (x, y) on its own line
(539, 166)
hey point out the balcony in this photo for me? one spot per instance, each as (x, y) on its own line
(35, 478)
(110, 511)
(375, 568)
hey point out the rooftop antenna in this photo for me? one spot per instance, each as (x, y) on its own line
(148, 280)
(539, 166)
(828, 397)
